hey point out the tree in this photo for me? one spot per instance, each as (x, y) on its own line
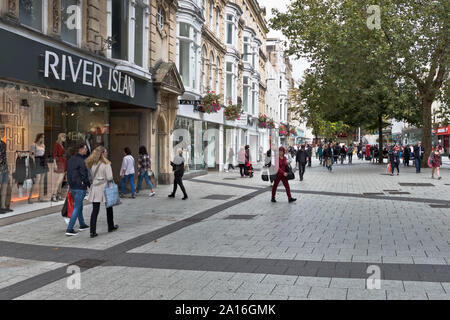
(410, 50)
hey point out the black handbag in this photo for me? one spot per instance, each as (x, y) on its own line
(291, 175)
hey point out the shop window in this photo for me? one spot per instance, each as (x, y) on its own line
(31, 13)
(70, 21)
(28, 114)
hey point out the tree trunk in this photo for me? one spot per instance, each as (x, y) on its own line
(426, 129)
(380, 139)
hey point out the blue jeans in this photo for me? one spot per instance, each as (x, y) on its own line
(130, 178)
(417, 161)
(144, 175)
(78, 196)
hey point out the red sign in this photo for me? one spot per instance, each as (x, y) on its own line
(442, 130)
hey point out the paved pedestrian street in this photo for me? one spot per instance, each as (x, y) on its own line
(228, 241)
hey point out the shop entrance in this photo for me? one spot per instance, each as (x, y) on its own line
(124, 133)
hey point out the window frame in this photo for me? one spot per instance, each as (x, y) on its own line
(160, 18)
(79, 31)
(44, 17)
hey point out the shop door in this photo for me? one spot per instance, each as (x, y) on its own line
(124, 133)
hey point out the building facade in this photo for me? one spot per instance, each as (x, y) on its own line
(220, 49)
(102, 71)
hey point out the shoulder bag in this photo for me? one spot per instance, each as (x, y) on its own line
(111, 194)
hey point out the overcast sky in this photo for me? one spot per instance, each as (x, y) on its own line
(299, 66)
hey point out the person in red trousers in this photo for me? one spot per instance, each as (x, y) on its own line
(281, 176)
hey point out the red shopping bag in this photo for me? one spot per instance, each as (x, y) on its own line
(389, 168)
(67, 209)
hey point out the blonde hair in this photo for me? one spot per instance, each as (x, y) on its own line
(60, 136)
(97, 156)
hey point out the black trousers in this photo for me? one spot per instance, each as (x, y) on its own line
(301, 169)
(350, 156)
(178, 182)
(94, 215)
(230, 165)
(241, 169)
(393, 166)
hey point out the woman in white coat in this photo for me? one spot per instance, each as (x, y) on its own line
(101, 173)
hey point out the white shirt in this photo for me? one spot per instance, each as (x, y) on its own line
(127, 165)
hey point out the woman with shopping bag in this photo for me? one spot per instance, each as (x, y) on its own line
(101, 173)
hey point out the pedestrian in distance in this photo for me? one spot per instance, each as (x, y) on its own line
(127, 172)
(282, 173)
(336, 152)
(101, 173)
(418, 156)
(230, 159)
(406, 156)
(78, 179)
(328, 157)
(301, 160)
(144, 167)
(350, 154)
(436, 160)
(241, 161)
(343, 153)
(178, 172)
(309, 151)
(394, 157)
(320, 153)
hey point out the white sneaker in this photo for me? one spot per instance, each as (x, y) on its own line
(152, 194)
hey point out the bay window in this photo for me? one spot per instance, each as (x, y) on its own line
(246, 47)
(203, 71)
(229, 81)
(253, 98)
(230, 29)
(31, 13)
(184, 44)
(245, 94)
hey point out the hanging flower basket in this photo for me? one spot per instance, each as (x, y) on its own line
(270, 124)
(210, 103)
(262, 120)
(233, 111)
(282, 130)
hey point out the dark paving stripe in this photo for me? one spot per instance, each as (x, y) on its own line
(416, 184)
(228, 184)
(218, 197)
(440, 205)
(362, 196)
(45, 253)
(327, 269)
(399, 192)
(373, 193)
(241, 216)
(164, 231)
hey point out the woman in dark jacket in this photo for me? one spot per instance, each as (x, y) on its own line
(281, 176)
(178, 171)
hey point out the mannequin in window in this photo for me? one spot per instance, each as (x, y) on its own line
(60, 166)
(4, 173)
(37, 151)
(88, 141)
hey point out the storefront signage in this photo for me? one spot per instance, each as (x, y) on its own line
(442, 130)
(45, 66)
(195, 103)
(87, 73)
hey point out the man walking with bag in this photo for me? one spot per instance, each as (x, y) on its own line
(78, 179)
(418, 155)
(301, 159)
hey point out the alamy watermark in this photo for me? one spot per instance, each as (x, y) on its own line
(73, 21)
(374, 280)
(74, 280)
(374, 19)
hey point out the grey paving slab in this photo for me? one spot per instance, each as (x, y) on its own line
(365, 294)
(319, 293)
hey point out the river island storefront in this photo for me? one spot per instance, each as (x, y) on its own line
(52, 96)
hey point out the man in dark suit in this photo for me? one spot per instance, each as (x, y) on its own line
(418, 155)
(301, 158)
